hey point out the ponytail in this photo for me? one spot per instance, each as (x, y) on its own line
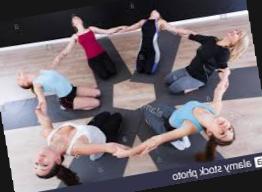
(213, 142)
(67, 176)
(210, 151)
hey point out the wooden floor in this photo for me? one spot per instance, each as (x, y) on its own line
(22, 143)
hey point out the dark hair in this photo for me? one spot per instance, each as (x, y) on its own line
(213, 142)
(160, 17)
(29, 86)
(64, 174)
(84, 23)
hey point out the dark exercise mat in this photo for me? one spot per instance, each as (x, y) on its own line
(108, 166)
(25, 108)
(167, 157)
(168, 45)
(244, 83)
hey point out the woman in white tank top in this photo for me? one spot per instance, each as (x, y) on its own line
(75, 140)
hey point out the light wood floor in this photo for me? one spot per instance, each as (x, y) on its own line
(23, 143)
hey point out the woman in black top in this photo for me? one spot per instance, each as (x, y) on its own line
(149, 54)
(213, 55)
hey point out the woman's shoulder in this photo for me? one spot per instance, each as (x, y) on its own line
(223, 52)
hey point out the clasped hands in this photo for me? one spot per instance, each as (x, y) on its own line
(140, 150)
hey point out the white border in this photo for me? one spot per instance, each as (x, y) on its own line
(182, 22)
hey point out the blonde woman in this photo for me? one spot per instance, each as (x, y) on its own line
(213, 55)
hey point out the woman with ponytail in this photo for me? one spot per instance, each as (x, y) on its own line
(174, 125)
(94, 139)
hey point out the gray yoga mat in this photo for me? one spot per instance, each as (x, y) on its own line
(165, 156)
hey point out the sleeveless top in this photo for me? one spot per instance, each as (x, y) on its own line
(185, 112)
(149, 30)
(54, 82)
(93, 134)
(89, 43)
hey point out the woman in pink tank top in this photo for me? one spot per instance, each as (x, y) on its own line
(98, 59)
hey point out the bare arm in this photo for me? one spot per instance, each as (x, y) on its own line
(180, 31)
(88, 149)
(134, 27)
(153, 142)
(44, 121)
(40, 96)
(64, 52)
(220, 89)
(106, 31)
(163, 24)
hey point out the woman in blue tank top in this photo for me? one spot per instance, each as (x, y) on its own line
(50, 81)
(172, 124)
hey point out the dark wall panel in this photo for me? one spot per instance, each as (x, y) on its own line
(108, 14)
(174, 10)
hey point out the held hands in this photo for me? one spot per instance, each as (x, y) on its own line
(42, 106)
(150, 145)
(115, 147)
(121, 151)
(119, 29)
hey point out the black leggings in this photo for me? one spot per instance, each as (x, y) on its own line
(109, 124)
(145, 61)
(103, 66)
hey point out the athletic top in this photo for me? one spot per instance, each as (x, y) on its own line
(149, 30)
(185, 112)
(209, 57)
(93, 134)
(54, 82)
(89, 43)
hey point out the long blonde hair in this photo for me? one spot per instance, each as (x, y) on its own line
(237, 50)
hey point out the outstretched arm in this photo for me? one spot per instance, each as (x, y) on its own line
(106, 31)
(40, 97)
(133, 27)
(180, 31)
(220, 89)
(44, 121)
(64, 52)
(153, 142)
(88, 149)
